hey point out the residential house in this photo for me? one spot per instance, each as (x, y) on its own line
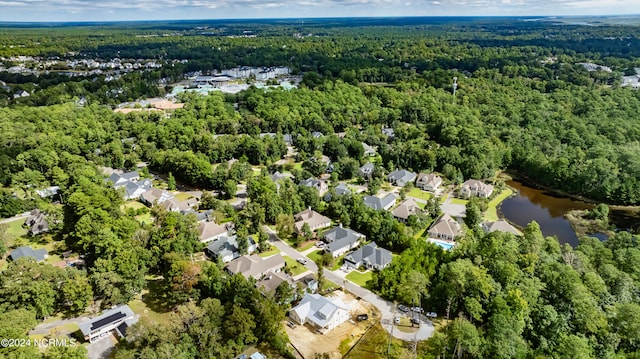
(115, 320)
(428, 181)
(316, 134)
(369, 151)
(210, 231)
(37, 223)
(341, 240)
(277, 177)
(320, 312)
(366, 171)
(255, 266)
(272, 280)
(401, 178)
(319, 185)
(175, 205)
(155, 196)
(314, 219)
(369, 256)
(308, 283)
(339, 190)
(118, 179)
(379, 204)
(500, 225)
(225, 248)
(445, 228)
(475, 188)
(389, 132)
(408, 207)
(201, 217)
(38, 254)
(130, 181)
(48, 192)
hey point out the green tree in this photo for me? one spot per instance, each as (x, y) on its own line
(171, 182)
(473, 215)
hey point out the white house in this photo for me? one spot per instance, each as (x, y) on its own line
(476, 188)
(115, 320)
(322, 313)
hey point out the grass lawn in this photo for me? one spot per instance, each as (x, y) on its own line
(150, 304)
(459, 201)
(15, 229)
(338, 262)
(145, 218)
(182, 196)
(374, 345)
(133, 204)
(418, 193)
(269, 253)
(491, 214)
(297, 165)
(307, 246)
(360, 278)
(296, 268)
(444, 197)
(328, 285)
(420, 234)
(316, 255)
(421, 205)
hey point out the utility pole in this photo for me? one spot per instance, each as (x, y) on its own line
(455, 87)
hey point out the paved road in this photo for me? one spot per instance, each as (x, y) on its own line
(386, 308)
(15, 218)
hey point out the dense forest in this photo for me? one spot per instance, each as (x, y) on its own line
(522, 104)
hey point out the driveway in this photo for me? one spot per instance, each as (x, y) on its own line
(387, 309)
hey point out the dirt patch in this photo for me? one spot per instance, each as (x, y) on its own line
(339, 340)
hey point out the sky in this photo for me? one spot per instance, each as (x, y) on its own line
(118, 10)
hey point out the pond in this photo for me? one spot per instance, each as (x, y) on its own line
(531, 204)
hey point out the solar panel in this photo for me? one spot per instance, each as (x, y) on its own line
(107, 320)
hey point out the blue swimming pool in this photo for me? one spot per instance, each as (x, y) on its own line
(445, 245)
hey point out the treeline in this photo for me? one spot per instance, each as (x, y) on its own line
(524, 297)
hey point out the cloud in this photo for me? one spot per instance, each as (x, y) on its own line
(38, 10)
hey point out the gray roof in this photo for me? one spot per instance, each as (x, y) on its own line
(48, 192)
(378, 203)
(370, 253)
(402, 175)
(388, 132)
(38, 254)
(367, 168)
(339, 237)
(227, 245)
(109, 317)
(340, 190)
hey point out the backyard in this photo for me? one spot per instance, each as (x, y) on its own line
(491, 214)
(418, 193)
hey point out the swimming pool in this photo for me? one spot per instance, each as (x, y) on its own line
(445, 245)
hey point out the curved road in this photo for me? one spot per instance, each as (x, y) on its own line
(386, 308)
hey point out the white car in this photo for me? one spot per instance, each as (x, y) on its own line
(301, 260)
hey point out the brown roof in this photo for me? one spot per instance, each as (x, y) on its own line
(407, 208)
(430, 179)
(310, 217)
(446, 225)
(255, 266)
(272, 280)
(211, 229)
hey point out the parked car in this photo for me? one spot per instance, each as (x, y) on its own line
(432, 314)
(415, 321)
(403, 308)
(397, 320)
(362, 317)
(302, 261)
(417, 309)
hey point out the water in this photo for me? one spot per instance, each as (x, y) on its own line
(446, 246)
(532, 204)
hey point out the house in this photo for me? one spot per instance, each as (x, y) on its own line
(48, 192)
(320, 312)
(201, 217)
(369, 151)
(319, 185)
(155, 196)
(36, 223)
(407, 208)
(277, 177)
(175, 205)
(339, 190)
(118, 179)
(340, 240)
(130, 181)
(401, 178)
(476, 188)
(314, 219)
(115, 320)
(257, 355)
(225, 248)
(272, 280)
(369, 256)
(389, 132)
(428, 181)
(366, 171)
(308, 283)
(501, 225)
(38, 254)
(210, 231)
(445, 228)
(255, 266)
(380, 204)
(316, 134)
